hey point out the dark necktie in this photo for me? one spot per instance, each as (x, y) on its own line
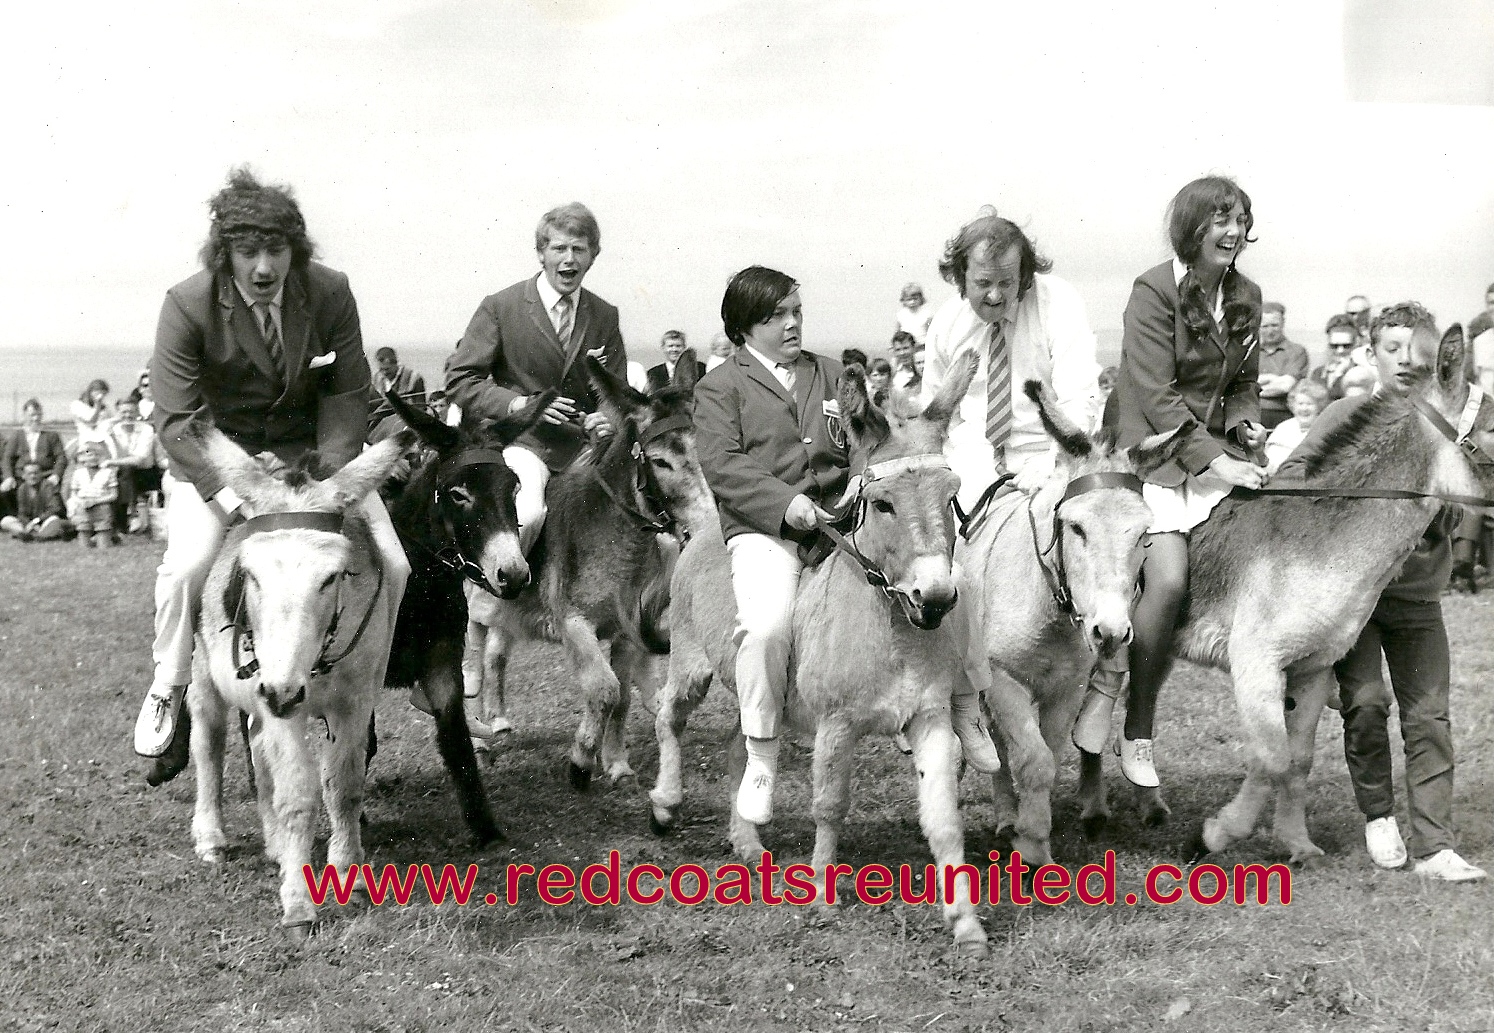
(998, 393)
(272, 337)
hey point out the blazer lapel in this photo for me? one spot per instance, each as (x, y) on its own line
(239, 327)
(295, 330)
(754, 369)
(541, 318)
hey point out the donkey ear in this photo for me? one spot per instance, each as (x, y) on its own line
(685, 371)
(1159, 449)
(942, 406)
(1452, 356)
(864, 422)
(613, 391)
(233, 590)
(431, 430)
(238, 469)
(508, 429)
(368, 470)
(1069, 438)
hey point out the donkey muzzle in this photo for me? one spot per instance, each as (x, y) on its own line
(281, 703)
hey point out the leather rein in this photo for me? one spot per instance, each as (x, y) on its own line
(645, 486)
(1460, 436)
(243, 635)
(852, 513)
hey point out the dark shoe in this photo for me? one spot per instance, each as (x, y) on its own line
(171, 763)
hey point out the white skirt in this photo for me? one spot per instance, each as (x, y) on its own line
(1185, 507)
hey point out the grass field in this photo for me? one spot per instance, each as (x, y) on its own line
(111, 923)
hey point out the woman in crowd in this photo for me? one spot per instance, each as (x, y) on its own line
(90, 412)
(1190, 354)
(1306, 400)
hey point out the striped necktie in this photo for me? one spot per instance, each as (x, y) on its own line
(563, 319)
(998, 393)
(272, 336)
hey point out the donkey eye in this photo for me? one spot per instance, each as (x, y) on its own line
(327, 583)
(882, 506)
(659, 464)
(1079, 532)
(462, 497)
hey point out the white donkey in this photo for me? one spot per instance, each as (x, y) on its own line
(294, 626)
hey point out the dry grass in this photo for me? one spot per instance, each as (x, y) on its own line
(113, 924)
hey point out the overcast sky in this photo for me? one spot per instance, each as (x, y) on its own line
(842, 142)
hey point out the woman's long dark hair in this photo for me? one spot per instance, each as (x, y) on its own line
(1189, 217)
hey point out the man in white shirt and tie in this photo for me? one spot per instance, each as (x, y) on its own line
(1027, 325)
(532, 336)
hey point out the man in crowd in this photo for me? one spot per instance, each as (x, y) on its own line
(1481, 333)
(903, 344)
(39, 514)
(1342, 336)
(32, 443)
(673, 346)
(266, 344)
(532, 336)
(1407, 628)
(133, 443)
(390, 376)
(1283, 363)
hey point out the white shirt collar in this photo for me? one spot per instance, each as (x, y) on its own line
(771, 365)
(274, 302)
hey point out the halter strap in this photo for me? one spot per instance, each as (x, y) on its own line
(657, 429)
(892, 467)
(330, 522)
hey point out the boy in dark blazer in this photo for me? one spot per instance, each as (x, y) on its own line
(266, 344)
(673, 346)
(529, 337)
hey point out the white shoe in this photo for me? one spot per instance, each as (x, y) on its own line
(1136, 762)
(1382, 838)
(1092, 726)
(975, 739)
(156, 725)
(1449, 867)
(755, 795)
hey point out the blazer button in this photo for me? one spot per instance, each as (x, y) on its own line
(809, 441)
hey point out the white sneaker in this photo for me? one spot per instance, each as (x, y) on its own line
(1136, 762)
(156, 724)
(755, 795)
(1382, 838)
(1449, 867)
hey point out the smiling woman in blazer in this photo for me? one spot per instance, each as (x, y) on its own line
(1190, 353)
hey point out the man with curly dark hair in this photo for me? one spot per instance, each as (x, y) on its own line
(266, 344)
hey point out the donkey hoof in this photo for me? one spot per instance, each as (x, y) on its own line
(213, 854)
(972, 949)
(296, 933)
(1156, 814)
(1094, 825)
(660, 823)
(1308, 858)
(1198, 848)
(580, 778)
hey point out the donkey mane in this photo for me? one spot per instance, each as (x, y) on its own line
(1348, 448)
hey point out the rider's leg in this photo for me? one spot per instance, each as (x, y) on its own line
(970, 684)
(533, 475)
(194, 533)
(1106, 680)
(764, 578)
(1164, 586)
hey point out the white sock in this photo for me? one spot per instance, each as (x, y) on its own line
(763, 753)
(963, 705)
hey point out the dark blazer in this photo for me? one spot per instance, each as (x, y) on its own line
(1167, 376)
(760, 446)
(511, 349)
(36, 503)
(658, 376)
(50, 453)
(211, 360)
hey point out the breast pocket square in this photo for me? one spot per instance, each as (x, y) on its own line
(318, 361)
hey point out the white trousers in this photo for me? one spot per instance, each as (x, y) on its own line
(194, 534)
(765, 578)
(533, 476)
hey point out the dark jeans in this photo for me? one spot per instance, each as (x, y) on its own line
(133, 483)
(1414, 641)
